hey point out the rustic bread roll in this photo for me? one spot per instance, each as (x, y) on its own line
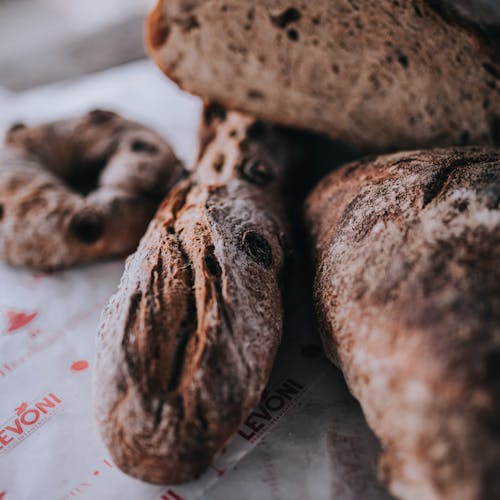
(80, 189)
(381, 75)
(407, 285)
(186, 344)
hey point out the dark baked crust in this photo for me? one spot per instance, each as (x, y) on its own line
(407, 285)
(186, 345)
(80, 189)
(379, 74)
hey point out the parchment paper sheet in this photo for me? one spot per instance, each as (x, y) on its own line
(307, 439)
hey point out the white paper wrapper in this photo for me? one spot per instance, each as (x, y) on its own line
(306, 440)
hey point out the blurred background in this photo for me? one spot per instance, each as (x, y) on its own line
(61, 58)
(42, 41)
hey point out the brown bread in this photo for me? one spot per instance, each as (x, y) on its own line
(379, 74)
(186, 345)
(407, 285)
(80, 189)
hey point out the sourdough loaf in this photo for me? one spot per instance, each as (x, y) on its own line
(407, 251)
(381, 75)
(186, 345)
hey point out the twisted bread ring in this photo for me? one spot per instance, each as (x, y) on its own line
(80, 189)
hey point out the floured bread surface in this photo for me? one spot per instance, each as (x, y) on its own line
(379, 74)
(407, 286)
(186, 345)
(80, 189)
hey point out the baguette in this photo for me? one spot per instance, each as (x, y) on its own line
(186, 345)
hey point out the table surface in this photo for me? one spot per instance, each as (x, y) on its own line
(313, 444)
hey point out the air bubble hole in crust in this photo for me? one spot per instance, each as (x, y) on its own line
(87, 227)
(141, 146)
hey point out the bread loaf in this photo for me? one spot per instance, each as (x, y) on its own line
(379, 74)
(80, 189)
(186, 345)
(407, 251)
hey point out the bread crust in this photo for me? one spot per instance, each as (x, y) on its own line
(80, 189)
(381, 75)
(186, 345)
(407, 251)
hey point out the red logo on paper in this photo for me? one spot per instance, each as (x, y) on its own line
(36, 276)
(171, 495)
(18, 320)
(84, 485)
(27, 418)
(21, 408)
(80, 366)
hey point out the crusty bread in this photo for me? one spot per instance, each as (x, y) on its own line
(379, 74)
(80, 189)
(186, 345)
(407, 251)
